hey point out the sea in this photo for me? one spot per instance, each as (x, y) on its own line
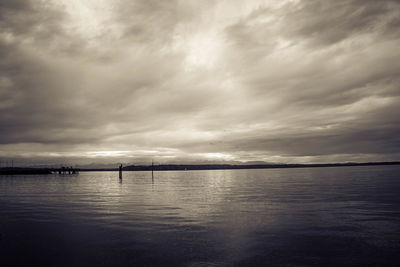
(332, 216)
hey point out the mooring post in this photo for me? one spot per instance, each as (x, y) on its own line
(152, 169)
(120, 172)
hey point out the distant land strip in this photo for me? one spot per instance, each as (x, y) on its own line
(190, 167)
(182, 167)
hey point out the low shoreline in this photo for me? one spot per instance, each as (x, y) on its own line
(191, 167)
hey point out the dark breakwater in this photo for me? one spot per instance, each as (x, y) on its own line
(23, 171)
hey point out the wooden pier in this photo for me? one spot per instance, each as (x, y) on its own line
(66, 170)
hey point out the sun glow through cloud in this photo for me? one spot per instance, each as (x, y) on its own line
(108, 153)
(203, 50)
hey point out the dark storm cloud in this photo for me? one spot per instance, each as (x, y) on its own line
(151, 21)
(329, 22)
(34, 98)
(288, 81)
(376, 133)
(322, 23)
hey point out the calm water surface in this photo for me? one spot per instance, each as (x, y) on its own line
(342, 216)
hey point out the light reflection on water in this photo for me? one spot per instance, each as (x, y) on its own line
(275, 217)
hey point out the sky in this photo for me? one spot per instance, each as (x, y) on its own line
(299, 81)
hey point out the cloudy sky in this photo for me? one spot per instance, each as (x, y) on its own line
(179, 80)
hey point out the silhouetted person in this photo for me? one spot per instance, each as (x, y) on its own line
(120, 172)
